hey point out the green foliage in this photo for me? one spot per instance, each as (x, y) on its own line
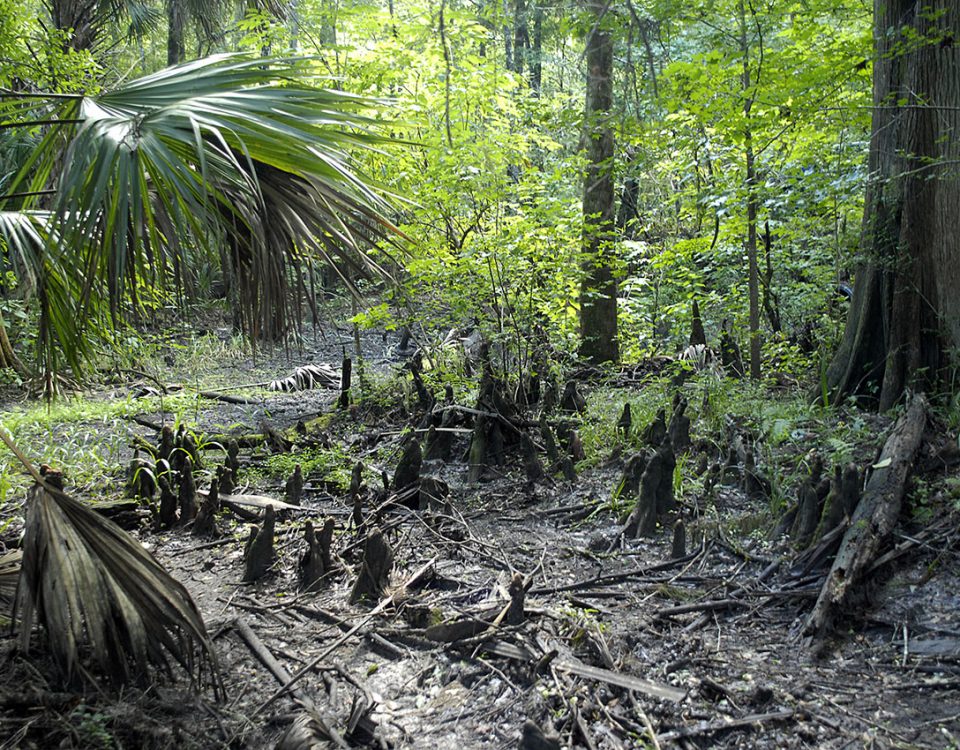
(332, 465)
(493, 170)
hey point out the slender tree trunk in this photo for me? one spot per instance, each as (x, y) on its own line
(536, 51)
(293, 14)
(771, 301)
(9, 358)
(446, 74)
(904, 320)
(507, 38)
(753, 271)
(598, 291)
(521, 36)
(176, 49)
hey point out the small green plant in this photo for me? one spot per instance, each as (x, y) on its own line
(91, 728)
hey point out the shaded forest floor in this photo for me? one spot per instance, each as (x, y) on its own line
(620, 642)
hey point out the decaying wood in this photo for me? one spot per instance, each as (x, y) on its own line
(375, 569)
(226, 398)
(665, 501)
(755, 483)
(754, 721)
(259, 554)
(571, 400)
(656, 431)
(346, 375)
(165, 447)
(698, 337)
(575, 448)
(517, 589)
(205, 523)
(439, 443)
(408, 467)
(433, 493)
(730, 358)
(233, 457)
(874, 517)
(679, 546)
(226, 479)
(679, 428)
(531, 461)
(294, 486)
(140, 478)
(532, 737)
(274, 438)
(842, 499)
(252, 501)
(187, 498)
(643, 518)
(311, 567)
(167, 513)
(279, 672)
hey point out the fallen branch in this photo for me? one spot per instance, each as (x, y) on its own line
(618, 679)
(754, 721)
(266, 657)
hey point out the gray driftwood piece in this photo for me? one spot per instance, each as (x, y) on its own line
(875, 516)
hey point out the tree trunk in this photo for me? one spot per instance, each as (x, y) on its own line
(175, 22)
(521, 37)
(536, 51)
(753, 273)
(598, 291)
(904, 320)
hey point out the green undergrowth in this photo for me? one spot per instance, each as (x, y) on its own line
(784, 423)
(85, 436)
(330, 465)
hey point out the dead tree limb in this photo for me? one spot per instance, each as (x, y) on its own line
(874, 518)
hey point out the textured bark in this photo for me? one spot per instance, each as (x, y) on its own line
(750, 183)
(175, 23)
(904, 321)
(598, 290)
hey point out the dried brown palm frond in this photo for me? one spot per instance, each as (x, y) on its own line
(100, 597)
(9, 575)
(307, 377)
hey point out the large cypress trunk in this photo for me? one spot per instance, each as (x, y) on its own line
(598, 291)
(904, 321)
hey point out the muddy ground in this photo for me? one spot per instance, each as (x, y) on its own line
(604, 655)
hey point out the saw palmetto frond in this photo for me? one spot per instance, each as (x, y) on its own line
(98, 595)
(228, 157)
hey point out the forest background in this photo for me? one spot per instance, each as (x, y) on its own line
(741, 133)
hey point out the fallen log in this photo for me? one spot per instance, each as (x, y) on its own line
(874, 518)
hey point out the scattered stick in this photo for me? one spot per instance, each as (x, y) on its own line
(342, 639)
(266, 657)
(619, 679)
(753, 721)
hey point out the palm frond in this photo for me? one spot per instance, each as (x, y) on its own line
(306, 377)
(97, 593)
(9, 575)
(230, 151)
